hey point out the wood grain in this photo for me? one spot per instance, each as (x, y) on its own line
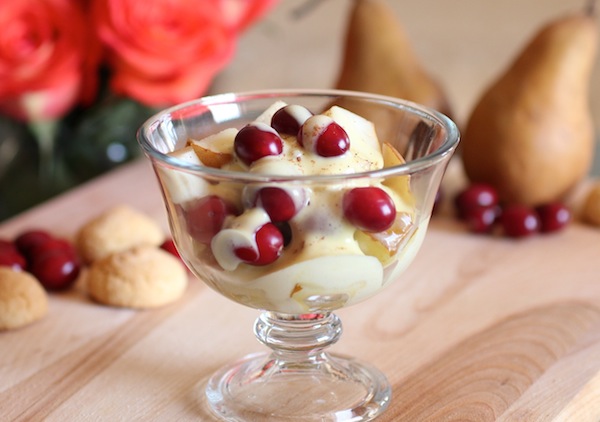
(477, 329)
(56, 383)
(480, 378)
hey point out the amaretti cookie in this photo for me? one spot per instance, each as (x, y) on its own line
(141, 277)
(115, 230)
(23, 300)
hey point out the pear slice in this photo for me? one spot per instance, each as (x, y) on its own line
(357, 126)
(325, 282)
(349, 279)
(266, 116)
(386, 244)
(399, 184)
(361, 132)
(211, 158)
(179, 185)
(215, 150)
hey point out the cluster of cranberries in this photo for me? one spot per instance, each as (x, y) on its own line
(370, 209)
(53, 261)
(478, 205)
(316, 133)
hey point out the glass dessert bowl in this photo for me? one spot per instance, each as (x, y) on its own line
(298, 203)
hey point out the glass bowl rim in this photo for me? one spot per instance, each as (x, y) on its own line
(446, 149)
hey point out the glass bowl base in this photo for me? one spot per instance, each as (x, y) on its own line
(324, 387)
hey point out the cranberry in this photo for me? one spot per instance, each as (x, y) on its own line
(56, 269)
(169, 246)
(7, 245)
(30, 239)
(286, 232)
(553, 217)
(277, 203)
(256, 140)
(49, 245)
(370, 209)
(475, 196)
(481, 219)
(10, 257)
(519, 220)
(320, 134)
(269, 242)
(287, 120)
(205, 217)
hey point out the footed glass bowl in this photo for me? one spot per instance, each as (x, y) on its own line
(298, 203)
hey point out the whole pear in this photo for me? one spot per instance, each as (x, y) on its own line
(531, 134)
(379, 58)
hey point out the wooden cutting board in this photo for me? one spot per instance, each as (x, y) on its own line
(477, 329)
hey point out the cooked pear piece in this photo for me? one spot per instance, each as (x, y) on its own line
(181, 185)
(385, 245)
(399, 184)
(362, 134)
(531, 133)
(215, 150)
(380, 59)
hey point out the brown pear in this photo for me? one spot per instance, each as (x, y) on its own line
(531, 134)
(380, 59)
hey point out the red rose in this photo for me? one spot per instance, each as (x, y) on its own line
(163, 52)
(45, 54)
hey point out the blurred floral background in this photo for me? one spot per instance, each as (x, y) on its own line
(78, 77)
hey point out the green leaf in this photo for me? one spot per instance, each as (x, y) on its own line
(102, 137)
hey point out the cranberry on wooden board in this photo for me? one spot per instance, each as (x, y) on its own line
(370, 209)
(55, 269)
(519, 220)
(10, 257)
(7, 245)
(475, 196)
(553, 217)
(49, 245)
(482, 219)
(475, 204)
(31, 239)
(255, 141)
(269, 242)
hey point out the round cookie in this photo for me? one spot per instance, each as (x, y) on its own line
(141, 277)
(23, 300)
(115, 230)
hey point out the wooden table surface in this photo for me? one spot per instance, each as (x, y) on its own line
(477, 329)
